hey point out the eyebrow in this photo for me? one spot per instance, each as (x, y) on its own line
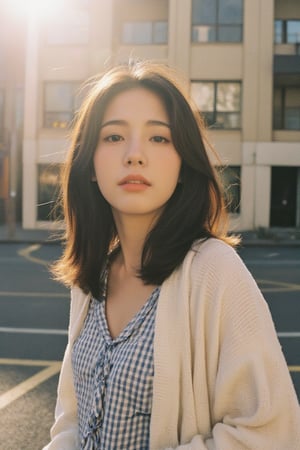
(124, 123)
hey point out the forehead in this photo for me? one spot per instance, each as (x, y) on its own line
(136, 102)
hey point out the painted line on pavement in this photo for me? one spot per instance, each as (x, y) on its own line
(277, 286)
(26, 253)
(33, 330)
(294, 368)
(288, 334)
(26, 362)
(22, 388)
(33, 294)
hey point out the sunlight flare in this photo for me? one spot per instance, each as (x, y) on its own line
(38, 8)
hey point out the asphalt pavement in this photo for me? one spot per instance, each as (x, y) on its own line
(34, 314)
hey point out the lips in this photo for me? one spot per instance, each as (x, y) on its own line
(134, 179)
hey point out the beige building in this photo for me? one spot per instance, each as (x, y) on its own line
(242, 60)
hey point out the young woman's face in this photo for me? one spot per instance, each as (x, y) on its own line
(136, 165)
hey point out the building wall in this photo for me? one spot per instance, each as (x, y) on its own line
(256, 147)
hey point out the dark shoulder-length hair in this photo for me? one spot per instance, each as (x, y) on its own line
(196, 209)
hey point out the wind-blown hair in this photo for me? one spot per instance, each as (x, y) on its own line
(196, 209)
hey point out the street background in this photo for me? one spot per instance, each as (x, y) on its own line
(34, 318)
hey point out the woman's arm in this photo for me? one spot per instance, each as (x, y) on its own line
(64, 432)
(234, 391)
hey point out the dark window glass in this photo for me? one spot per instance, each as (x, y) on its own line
(217, 20)
(230, 12)
(286, 108)
(278, 31)
(204, 12)
(48, 187)
(230, 176)
(219, 102)
(230, 34)
(287, 31)
(293, 31)
(62, 99)
(160, 32)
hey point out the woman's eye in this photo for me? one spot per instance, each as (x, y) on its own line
(159, 139)
(113, 138)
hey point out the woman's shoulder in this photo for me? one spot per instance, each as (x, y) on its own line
(214, 258)
(213, 249)
(79, 306)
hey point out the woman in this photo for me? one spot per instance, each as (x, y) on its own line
(171, 345)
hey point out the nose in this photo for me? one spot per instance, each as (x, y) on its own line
(134, 155)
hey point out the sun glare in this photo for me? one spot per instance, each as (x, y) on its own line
(38, 8)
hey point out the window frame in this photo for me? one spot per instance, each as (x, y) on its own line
(140, 22)
(217, 25)
(284, 31)
(71, 112)
(283, 109)
(215, 112)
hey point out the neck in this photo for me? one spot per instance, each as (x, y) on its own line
(132, 233)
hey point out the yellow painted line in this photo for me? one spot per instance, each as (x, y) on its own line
(33, 294)
(294, 368)
(27, 362)
(277, 286)
(26, 253)
(29, 384)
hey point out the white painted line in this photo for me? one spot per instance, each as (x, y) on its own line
(26, 362)
(33, 331)
(34, 294)
(289, 334)
(29, 384)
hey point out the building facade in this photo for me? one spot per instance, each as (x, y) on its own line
(241, 59)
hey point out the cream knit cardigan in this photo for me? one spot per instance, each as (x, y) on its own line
(221, 381)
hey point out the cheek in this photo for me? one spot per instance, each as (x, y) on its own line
(172, 166)
(102, 171)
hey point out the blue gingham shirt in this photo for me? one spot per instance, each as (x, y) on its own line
(114, 379)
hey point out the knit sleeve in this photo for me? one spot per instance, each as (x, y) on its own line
(64, 432)
(253, 401)
(243, 396)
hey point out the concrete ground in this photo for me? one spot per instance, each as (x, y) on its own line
(260, 236)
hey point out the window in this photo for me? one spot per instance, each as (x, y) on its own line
(69, 29)
(219, 102)
(286, 108)
(287, 32)
(217, 20)
(61, 101)
(144, 33)
(231, 180)
(48, 186)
